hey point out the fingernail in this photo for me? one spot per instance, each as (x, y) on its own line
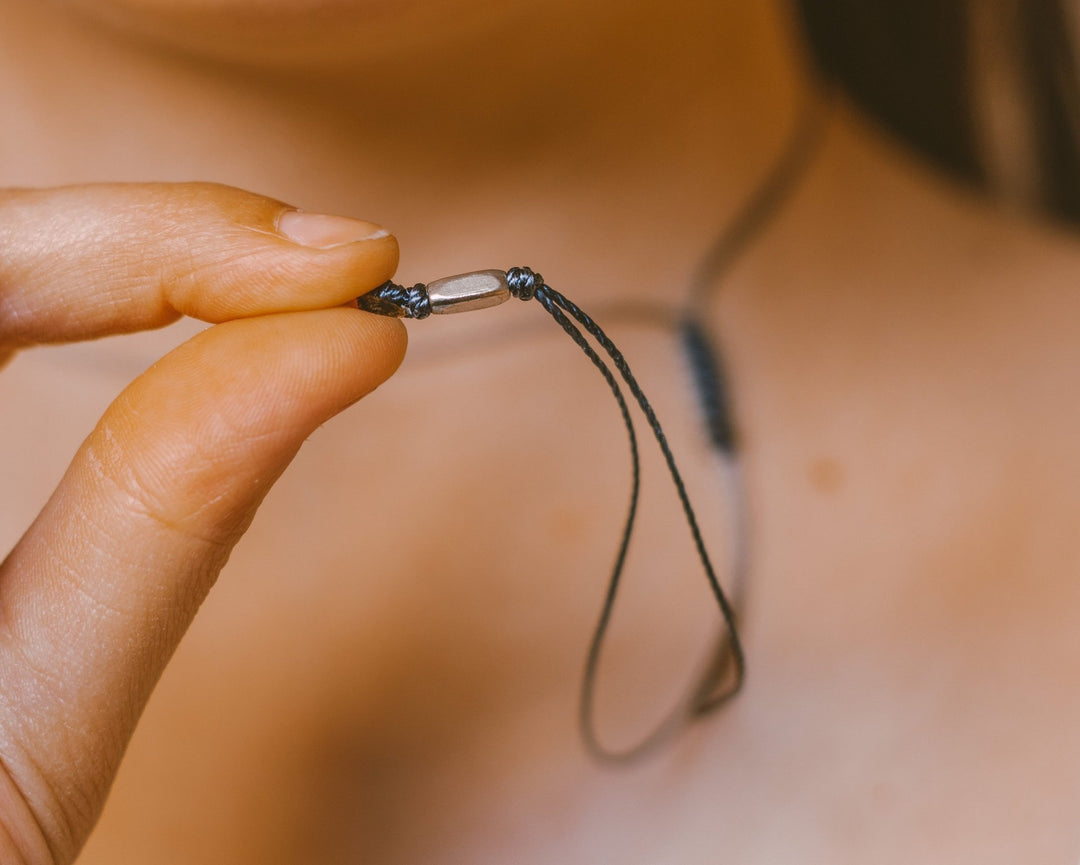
(320, 231)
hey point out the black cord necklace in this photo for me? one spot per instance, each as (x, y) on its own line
(481, 289)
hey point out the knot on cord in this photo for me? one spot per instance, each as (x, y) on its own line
(416, 301)
(397, 300)
(523, 282)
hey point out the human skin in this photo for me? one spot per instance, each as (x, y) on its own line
(388, 668)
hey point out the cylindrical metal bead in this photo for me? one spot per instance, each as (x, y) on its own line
(466, 291)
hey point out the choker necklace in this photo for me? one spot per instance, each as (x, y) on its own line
(724, 675)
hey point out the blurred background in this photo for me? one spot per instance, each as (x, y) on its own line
(987, 89)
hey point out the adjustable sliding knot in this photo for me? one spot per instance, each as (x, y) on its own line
(523, 282)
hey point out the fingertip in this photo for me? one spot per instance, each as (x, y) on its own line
(393, 336)
(375, 344)
(250, 255)
(196, 437)
(257, 273)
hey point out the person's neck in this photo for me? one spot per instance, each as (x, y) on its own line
(611, 150)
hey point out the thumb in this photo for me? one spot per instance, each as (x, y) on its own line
(97, 594)
(80, 262)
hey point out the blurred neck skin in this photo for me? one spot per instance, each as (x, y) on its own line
(604, 139)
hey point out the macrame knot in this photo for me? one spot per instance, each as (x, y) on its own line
(417, 302)
(397, 300)
(523, 282)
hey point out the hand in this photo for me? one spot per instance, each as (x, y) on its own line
(96, 595)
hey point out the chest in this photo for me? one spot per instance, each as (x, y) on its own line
(389, 667)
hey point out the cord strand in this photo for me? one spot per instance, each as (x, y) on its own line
(526, 284)
(726, 609)
(678, 716)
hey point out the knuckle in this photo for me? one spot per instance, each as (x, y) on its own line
(207, 279)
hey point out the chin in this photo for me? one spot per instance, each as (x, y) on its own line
(289, 33)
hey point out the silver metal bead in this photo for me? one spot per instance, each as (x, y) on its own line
(467, 291)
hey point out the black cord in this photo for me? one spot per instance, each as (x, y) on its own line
(555, 303)
(767, 199)
(725, 675)
(704, 356)
(525, 284)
